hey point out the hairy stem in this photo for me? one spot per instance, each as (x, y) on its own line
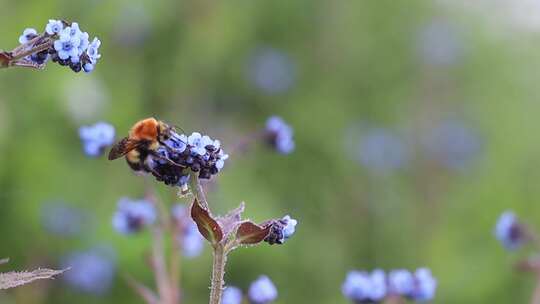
(536, 294)
(218, 273)
(197, 189)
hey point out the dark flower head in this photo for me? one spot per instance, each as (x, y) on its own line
(181, 155)
(281, 230)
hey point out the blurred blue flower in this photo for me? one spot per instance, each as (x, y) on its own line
(62, 219)
(54, 27)
(290, 227)
(453, 144)
(279, 135)
(509, 231)
(357, 286)
(133, 215)
(400, 282)
(27, 35)
(378, 285)
(425, 285)
(96, 138)
(439, 44)
(380, 150)
(232, 295)
(67, 45)
(188, 235)
(271, 71)
(262, 291)
(90, 271)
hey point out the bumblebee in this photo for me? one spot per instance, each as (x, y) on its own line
(145, 139)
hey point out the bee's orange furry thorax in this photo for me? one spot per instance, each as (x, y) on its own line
(146, 129)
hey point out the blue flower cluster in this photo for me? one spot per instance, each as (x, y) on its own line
(70, 47)
(188, 236)
(133, 215)
(281, 230)
(232, 295)
(262, 291)
(363, 287)
(279, 135)
(509, 231)
(96, 138)
(180, 154)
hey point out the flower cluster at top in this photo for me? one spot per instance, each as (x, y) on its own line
(279, 135)
(510, 232)
(261, 291)
(281, 230)
(180, 154)
(70, 46)
(96, 138)
(374, 287)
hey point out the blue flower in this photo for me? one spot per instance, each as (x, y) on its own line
(74, 30)
(90, 271)
(290, 225)
(381, 151)
(232, 295)
(83, 46)
(54, 27)
(67, 45)
(453, 144)
(509, 231)
(62, 219)
(93, 50)
(96, 138)
(272, 71)
(28, 34)
(425, 285)
(357, 286)
(400, 282)
(378, 285)
(188, 235)
(88, 67)
(132, 215)
(177, 142)
(262, 291)
(280, 135)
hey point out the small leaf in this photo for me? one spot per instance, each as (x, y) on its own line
(207, 225)
(229, 222)
(251, 233)
(5, 58)
(14, 279)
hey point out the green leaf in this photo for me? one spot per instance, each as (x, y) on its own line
(207, 225)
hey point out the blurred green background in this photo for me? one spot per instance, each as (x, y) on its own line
(415, 127)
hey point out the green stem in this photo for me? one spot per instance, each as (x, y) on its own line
(197, 190)
(218, 273)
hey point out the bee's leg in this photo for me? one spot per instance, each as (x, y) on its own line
(167, 159)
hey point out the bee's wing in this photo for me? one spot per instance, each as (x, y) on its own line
(122, 147)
